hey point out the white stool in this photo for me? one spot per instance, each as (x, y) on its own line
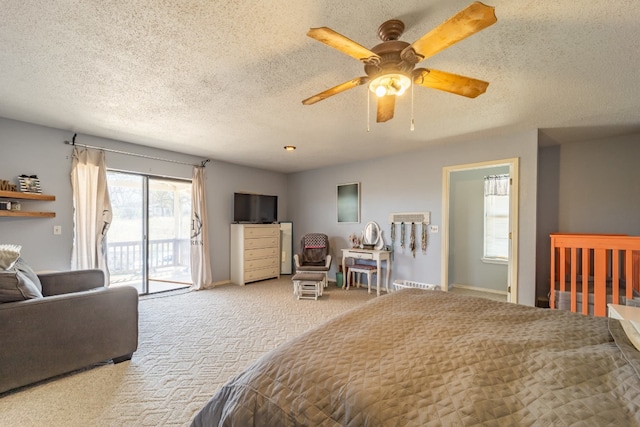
(359, 269)
(308, 285)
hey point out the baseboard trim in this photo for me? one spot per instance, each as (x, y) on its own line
(477, 289)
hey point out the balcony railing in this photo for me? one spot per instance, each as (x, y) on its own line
(126, 257)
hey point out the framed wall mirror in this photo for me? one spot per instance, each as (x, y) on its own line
(348, 201)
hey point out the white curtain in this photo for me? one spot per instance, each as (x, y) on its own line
(200, 262)
(92, 212)
(496, 185)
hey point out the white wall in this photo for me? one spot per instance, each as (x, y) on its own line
(409, 183)
(38, 150)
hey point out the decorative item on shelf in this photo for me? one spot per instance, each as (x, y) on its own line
(29, 184)
(7, 186)
(354, 240)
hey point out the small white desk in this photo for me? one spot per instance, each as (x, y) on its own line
(369, 254)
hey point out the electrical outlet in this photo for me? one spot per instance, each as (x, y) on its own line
(433, 228)
(57, 229)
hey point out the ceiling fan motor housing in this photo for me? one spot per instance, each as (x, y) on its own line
(390, 60)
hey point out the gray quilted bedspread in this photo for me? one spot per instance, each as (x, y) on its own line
(430, 358)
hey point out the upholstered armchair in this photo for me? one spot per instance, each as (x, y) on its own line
(314, 255)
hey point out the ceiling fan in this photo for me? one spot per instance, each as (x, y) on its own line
(390, 66)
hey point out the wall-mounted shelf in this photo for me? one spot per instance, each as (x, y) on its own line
(16, 195)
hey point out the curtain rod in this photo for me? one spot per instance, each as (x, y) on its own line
(111, 150)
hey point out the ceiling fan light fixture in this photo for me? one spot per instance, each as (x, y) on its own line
(390, 84)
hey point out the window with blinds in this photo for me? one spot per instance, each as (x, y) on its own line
(496, 218)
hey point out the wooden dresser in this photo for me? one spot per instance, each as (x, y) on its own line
(255, 252)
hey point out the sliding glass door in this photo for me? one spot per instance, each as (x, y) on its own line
(169, 219)
(148, 241)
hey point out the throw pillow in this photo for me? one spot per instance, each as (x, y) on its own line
(19, 283)
(9, 254)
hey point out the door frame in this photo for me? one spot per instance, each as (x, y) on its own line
(512, 269)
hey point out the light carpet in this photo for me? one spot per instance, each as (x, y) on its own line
(190, 344)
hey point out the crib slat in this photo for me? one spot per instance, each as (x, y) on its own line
(628, 263)
(552, 282)
(574, 284)
(635, 256)
(585, 281)
(599, 285)
(615, 277)
(563, 272)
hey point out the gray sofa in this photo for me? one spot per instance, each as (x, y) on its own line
(76, 324)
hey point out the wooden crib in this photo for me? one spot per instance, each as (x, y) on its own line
(590, 270)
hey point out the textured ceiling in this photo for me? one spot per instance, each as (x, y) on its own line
(225, 80)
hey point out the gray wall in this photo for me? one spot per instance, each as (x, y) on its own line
(599, 186)
(409, 183)
(466, 232)
(586, 187)
(38, 150)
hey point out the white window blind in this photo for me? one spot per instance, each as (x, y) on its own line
(496, 217)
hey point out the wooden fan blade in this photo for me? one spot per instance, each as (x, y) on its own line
(343, 44)
(449, 82)
(336, 90)
(465, 23)
(386, 107)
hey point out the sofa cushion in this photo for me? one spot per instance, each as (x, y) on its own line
(19, 283)
(9, 254)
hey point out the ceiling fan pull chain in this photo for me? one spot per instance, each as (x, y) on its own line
(412, 121)
(368, 110)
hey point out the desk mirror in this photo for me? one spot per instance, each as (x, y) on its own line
(371, 236)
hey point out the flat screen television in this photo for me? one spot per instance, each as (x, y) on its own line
(255, 208)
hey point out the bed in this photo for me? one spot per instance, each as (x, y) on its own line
(588, 271)
(431, 358)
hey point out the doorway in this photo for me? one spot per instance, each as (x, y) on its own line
(148, 244)
(450, 175)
